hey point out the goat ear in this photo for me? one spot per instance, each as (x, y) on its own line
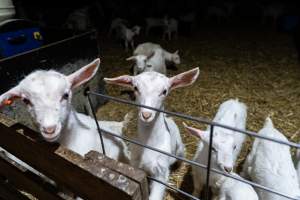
(196, 132)
(8, 97)
(131, 58)
(176, 52)
(84, 74)
(125, 81)
(184, 79)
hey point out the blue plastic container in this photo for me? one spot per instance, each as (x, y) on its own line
(19, 37)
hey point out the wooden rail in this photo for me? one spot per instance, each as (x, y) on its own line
(90, 177)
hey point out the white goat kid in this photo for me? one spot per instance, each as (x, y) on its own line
(127, 35)
(148, 48)
(154, 128)
(115, 24)
(223, 187)
(152, 63)
(226, 145)
(152, 57)
(170, 27)
(48, 94)
(270, 164)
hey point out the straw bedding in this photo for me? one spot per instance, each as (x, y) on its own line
(260, 68)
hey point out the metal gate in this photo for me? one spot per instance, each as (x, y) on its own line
(195, 119)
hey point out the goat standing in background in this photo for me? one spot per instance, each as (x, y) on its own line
(127, 35)
(170, 27)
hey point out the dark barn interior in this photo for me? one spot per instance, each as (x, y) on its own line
(247, 50)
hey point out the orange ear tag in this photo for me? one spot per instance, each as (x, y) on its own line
(8, 102)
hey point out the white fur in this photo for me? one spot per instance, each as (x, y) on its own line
(227, 144)
(148, 48)
(127, 35)
(50, 111)
(152, 57)
(170, 27)
(270, 164)
(156, 129)
(154, 63)
(231, 189)
(115, 24)
(298, 164)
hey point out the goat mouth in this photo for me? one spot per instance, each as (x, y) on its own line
(50, 138)
(146, 120)
(229, 171)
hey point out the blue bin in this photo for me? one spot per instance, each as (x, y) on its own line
(19, 36)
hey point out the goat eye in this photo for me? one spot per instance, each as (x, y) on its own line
(65, 96)
(149, 66)
(234, 148)
(164, 92)
(27, 101)
(136, 89)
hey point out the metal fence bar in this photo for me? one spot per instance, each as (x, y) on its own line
(173, 188)
(209, 161)
(197, 119)
(254, 184)
(198, 164)
(184, 159)
(96, 121)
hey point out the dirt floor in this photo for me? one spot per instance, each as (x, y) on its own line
(259, 67)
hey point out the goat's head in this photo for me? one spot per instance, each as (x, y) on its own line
(47, 95)
(223, 146)
(136, 30)
(175, 57)
(142, 61)
(151, 88)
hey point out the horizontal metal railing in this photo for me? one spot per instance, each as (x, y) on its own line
(195, 119)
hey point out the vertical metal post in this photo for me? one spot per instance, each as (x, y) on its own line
(208, 161)
(87, 93)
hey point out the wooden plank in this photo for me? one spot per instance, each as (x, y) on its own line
(120, 175)
(137, 175)
(88, 183)
(25, 181)
(9, 193)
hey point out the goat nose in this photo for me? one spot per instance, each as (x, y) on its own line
(49, 130)
(146, 115)
(228, 169)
